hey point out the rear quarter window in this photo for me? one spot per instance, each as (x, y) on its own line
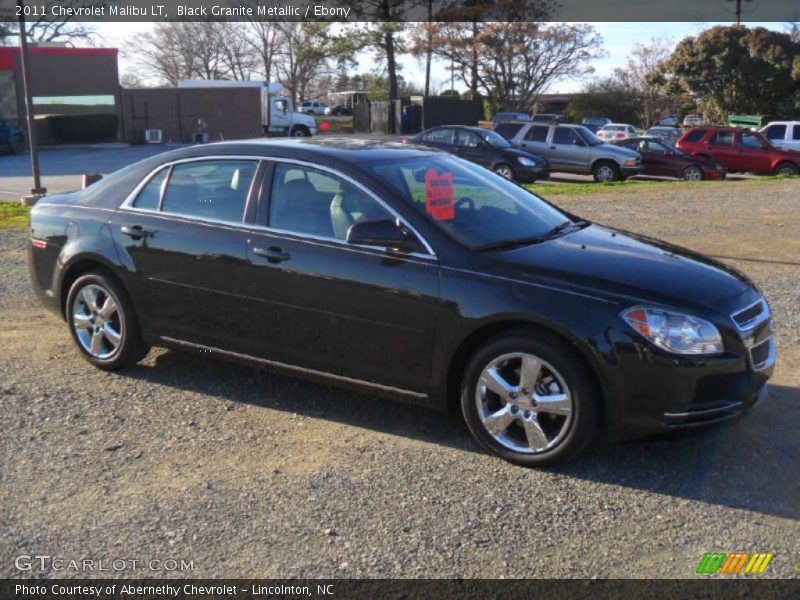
(694, 136)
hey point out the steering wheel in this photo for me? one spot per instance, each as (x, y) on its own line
(466, 201)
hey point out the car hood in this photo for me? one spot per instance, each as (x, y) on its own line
(621, 263)
(619, 151)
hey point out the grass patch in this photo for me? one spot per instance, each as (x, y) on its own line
(635, 185)
(13, 215)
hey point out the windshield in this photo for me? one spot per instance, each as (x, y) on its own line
(496, 140)
(476, 207)
(588, 136)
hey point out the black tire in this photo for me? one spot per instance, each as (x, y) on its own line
(17, 144)
(579, 381)
(504, 170)
(131, 348)
(692, 173)
(299, 131)
(786, 168)
(605, 171)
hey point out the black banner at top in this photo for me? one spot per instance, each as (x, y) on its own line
(400, 10)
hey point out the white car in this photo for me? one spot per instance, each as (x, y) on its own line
(783, 134)
(692, 121)
(616, 131)
(313, 108)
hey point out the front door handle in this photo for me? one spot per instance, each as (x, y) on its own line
(136, 232)
(273, 254)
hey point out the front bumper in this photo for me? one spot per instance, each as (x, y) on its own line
(630, 171)
(649, 391)
(531, 174)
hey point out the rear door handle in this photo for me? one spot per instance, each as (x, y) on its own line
(136, 232)
(273, 254)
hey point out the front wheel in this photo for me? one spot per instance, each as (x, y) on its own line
(786, 168)
(504, 171)
(606, 172)
(103, 323)
(692, 173)
(300, 132)
(528, 398)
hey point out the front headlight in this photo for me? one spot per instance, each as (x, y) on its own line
(526, 162)
(673, 331)
(631, 162)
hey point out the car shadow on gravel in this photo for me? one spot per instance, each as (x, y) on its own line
(751, 464)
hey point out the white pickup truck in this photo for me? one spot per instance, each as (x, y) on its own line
(783, 134)
(279, 116)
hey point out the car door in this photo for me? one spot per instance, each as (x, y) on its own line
(535, 140)
(753, 152)
(319, 303)
(182, 238)
(658, 158)
(568, 151)
(470, 146)
(720, 146)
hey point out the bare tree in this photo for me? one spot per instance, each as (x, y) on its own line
(40, 30)
(263, 37)
(644, 78)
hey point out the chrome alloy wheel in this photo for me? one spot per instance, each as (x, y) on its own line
(97, 321)
(692, 174)
(524, 403)
(504, 171)
(605, 173)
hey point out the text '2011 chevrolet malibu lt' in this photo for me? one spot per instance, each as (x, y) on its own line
(406, 272)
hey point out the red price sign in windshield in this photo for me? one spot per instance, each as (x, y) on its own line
(439, 198)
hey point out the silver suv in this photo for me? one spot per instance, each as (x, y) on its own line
(575, 149)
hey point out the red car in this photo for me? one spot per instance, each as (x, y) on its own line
(740, 150)
(659, 157)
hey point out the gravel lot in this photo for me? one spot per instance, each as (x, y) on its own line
(250, 474)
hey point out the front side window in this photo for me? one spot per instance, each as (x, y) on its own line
(467, 139)
(210, 189)
(565, 136)
(477, 208)
(750, 140)
(314, 202)
(775, 132)
(150, 196)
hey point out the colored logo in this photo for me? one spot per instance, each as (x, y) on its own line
(734, 563)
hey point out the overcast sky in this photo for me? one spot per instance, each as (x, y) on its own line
(618, 41)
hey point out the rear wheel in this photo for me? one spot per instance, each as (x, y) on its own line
(103, 323)
(692, 173)
(786, 168)
(17, 144)
(528, 398)
(605, 171)
(504, 171)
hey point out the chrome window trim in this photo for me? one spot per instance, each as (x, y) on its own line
(127, 204)
(755, 321)
(276, 363)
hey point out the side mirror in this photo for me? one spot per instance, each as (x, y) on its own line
(383, 232)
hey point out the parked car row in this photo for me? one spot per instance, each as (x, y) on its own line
(12, 138)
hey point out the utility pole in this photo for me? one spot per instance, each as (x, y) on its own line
(37, 190)
(739, 9)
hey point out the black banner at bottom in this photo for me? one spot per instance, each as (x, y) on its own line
(390, 589)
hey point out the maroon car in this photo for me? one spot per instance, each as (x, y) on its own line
(659, 157)
(740, 150)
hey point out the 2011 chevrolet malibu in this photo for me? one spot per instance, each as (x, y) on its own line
(406, 272)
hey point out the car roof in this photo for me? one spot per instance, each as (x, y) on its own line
(347, 150)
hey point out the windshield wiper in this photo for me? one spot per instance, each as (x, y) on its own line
(529, 241)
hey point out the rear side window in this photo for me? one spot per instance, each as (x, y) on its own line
(776, 132)
(508, 130)
(440, 136)
(210, 189)
(537, 133)
(722, 138)
(796, 132)
(150, 196)
(694, 136)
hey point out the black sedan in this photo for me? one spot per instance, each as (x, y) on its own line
(661, 158)
(486, 148)
(407, 272)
